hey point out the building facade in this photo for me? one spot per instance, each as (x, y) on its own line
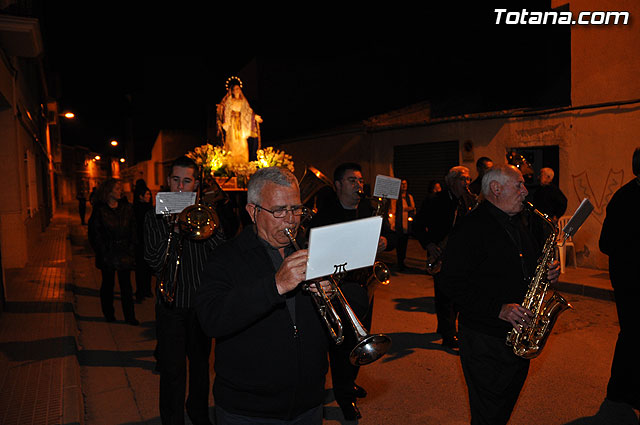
(589, 142)
(29, 140)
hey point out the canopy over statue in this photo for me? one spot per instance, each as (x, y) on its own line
(237, 122)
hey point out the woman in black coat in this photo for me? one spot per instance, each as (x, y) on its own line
(112, 234)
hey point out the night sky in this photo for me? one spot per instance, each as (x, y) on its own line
(318, 69)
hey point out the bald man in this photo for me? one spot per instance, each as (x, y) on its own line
(487, 265)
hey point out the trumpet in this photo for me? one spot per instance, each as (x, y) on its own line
(369, 348)
(371, 277)
(380, 204)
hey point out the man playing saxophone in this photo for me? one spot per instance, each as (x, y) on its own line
(271, 344)
(487, 265)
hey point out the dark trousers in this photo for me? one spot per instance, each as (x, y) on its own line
(82, 210)
(180, 337)
(126, 293)
(143, 279)
(401, 247)
(624, 383)
(494, 376)
(445, 310)
(310, 417)
(343, 373)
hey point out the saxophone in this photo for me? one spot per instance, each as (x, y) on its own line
(529, 343)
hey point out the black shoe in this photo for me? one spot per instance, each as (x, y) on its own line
(110, 318)
(359, 391)
(133, 322)
(350, 410)
(451, 342)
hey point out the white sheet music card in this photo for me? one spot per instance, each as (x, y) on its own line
(352, 244)
(387, 187)
(174, 202)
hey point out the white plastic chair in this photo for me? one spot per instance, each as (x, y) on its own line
(562, 249)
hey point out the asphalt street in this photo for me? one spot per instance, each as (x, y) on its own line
(417, 382)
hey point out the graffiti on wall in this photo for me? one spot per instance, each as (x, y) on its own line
(583, 189)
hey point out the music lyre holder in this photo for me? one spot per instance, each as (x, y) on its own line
(339, 270)
(582, 213)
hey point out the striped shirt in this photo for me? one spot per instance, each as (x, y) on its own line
(195, 255)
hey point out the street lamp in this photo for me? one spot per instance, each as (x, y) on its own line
(68, 115)
(114, 142)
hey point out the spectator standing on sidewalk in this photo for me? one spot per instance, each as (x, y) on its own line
(403, 209)
(82, 205)
(141, 205)
(112, 233)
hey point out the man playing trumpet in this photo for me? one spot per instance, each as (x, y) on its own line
(271, 345)
(348, 204)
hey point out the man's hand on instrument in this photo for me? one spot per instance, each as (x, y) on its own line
(382, 244)
(326, 287)
(519, 316)
(554, 272)
(292, 271)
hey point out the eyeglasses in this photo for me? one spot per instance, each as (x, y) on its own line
(282, 212)
(354, 180)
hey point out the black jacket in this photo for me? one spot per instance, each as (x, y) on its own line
(112, 235)
(352, 285)
(621, 233)
(482, 267)
(332, 212)
(434, 219)
(265, 367)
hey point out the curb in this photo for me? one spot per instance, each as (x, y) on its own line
(72, 397)
(585, 290)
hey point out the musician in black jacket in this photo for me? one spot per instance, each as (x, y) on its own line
(178, 332)
(271, 344)
(346, 206)
(482, 165)
(619, 240)
(487, 265)
(435, 220)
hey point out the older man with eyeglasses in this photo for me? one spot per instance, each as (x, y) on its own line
(271, 345)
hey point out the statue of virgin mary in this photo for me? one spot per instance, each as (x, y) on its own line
(238, 121)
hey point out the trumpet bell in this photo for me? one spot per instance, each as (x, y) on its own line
(198, 221)
(370, 349)
(311, 182)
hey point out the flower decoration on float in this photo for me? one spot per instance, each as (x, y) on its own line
(214, 160)
(218, 163)
(270, 157)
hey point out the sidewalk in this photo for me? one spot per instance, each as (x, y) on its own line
(39, 336)
(39, 372)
